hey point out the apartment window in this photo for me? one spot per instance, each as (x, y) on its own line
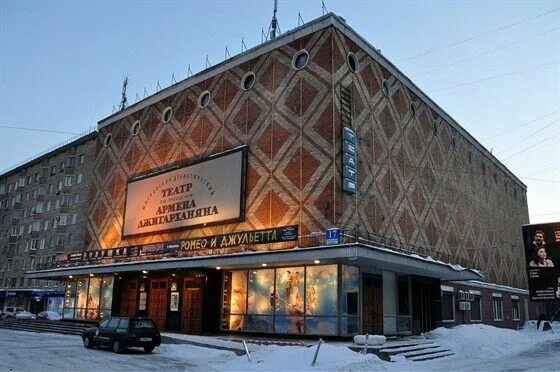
(476, 307)
(35, 194)
(76, 198)
(515, 308)
(2, 189)
(49, 205)
(29, 180)
(42, 243)
(52, 241)
(24, 213)
(78, 178)
(74, 218)
(60, 185)
(45, 172)
(55, 222)
(34, 244)
(65, 200)
(70, 237)
(29, 228)
(37, 226)
(447, 304)
(39, 208)
(53, 170)
(19, 197)
(37, 176)
(10, 188)
(62, 166)
(81, 158)
(46, 225)
(57, 204)
(498, 308)
(41, 190)
(21, 282)
(63, 219)
(68, 181)
(71, 161)
(51, 188)
(60, 240)
(14, 231)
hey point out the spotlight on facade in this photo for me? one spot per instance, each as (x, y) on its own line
(70, 276)
(218, 267)
(90, 274)
(144, 272)
(317, 261)
(263, 265)
(173, 274)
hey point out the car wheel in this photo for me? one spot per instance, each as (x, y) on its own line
(148, 349)
(87, 342)
(118, 348)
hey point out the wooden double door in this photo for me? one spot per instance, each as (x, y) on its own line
(129, 297)
(193, 296)
(157, 307)
(372, 304)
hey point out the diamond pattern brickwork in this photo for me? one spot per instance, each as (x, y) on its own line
(413, 186)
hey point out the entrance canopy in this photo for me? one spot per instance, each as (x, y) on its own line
(355, 254)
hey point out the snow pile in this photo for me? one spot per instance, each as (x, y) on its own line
(193, 353)
(298, 358)
(480, 341)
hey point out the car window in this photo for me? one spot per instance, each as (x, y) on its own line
(113, 323)
(144, 323)
(104, 323)
(123, 324)
(10, 309)
(20, 310)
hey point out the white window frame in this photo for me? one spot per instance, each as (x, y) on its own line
(497, 298)
(515, 299)
(79, 178)
(68, 181)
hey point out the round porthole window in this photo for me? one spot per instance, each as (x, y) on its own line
(248, 80)
(300, 59)
(108, 140)
(413, 110)
(353, 62)
(135, 127)
(204, 99)
(167, 114)
(385, 87)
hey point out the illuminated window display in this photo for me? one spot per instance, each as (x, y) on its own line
(88, 298)
(350, 289)
(296, 300)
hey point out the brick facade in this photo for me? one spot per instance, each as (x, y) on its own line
(418, 185)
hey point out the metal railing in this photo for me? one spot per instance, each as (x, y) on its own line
(316, 239)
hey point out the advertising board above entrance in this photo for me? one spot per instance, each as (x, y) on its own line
(207, 192)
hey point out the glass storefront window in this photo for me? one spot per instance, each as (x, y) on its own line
(88, 298)
(106, 294)
(290, 300)
(81, 295)
(261, 292)
(289, 291)
(321, 287)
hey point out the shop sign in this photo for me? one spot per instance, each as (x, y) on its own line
(207, 192)
(349, 161)
(75, 257)
(542, 255)
(332, 236)
(264, 236)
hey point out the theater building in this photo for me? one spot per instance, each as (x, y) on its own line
(304, 186)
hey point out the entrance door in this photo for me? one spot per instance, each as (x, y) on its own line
(157, 307)
(422, 305)
(373, 304)
(129, 297)
(193, 291)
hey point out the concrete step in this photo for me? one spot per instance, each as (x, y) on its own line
(402, 349)
(438, 349)
(431, 356)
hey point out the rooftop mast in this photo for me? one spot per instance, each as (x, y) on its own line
(274, 23)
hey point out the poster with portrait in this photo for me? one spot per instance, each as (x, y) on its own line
(174, 303)
(542, 255)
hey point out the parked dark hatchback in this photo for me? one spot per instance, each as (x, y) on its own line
(122, 332)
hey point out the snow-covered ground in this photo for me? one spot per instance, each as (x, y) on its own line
(476, 347)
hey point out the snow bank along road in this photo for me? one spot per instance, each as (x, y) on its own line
(476, 347)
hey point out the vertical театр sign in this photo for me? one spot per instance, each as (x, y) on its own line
(349, 162)
(206, 192)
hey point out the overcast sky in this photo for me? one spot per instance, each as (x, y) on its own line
(62, 65)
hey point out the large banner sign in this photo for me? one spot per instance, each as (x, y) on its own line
(207, 192)
(542, 253)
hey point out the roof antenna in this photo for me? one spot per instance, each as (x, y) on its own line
(274, 23)
(124, 101)
(189, 71)
(243, 46)
(299, 19)
(324, 7)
